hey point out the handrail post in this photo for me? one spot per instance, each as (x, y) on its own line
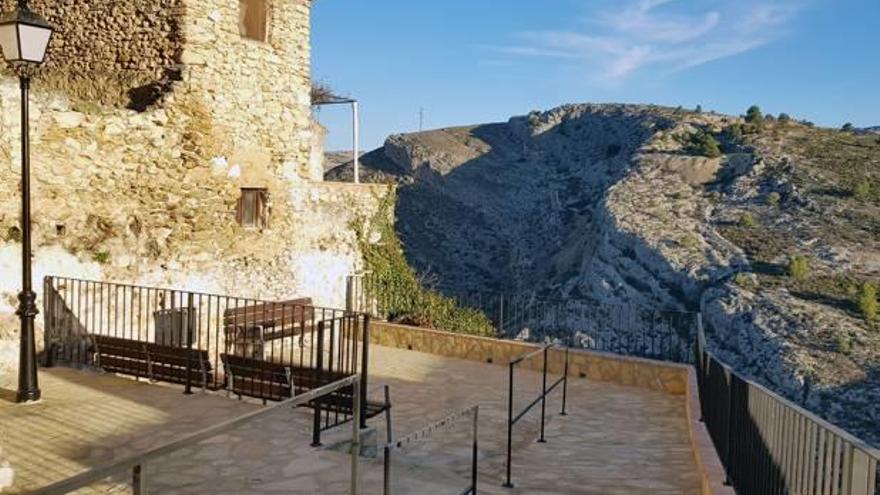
(185, 320)
(138, 480)
(476, 450)
(544, 394)
(508, 483)
(316, 404)
(565, 384)
(365, 365)
(386, 464)
(355, 435)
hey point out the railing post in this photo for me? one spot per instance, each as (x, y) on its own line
(365, 365)
(138, 480)
(355, 436)
(185, 319)
(501, 314)
(508, 483)
(48, 321)
(728, 374)
(316, 404)
(860, 474)
(476, 451)
(544, 394)
(386, 480)
(565, 384)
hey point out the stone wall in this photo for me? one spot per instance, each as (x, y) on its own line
(645, 373)
(258, 92)
(116, 53)
(149, 195)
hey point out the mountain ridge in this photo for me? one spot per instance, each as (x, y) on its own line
(612, 202)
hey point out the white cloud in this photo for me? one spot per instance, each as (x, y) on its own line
(664, 34)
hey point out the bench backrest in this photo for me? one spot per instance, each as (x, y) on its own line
(288, 311)
(139, 350)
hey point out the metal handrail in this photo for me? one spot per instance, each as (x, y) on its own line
(137, 461)
(802, 450)
(203, 294)
(545, 391)
(856, 442)
(426, 431)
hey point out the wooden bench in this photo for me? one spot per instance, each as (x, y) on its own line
(273, 381)
(152, 361)
(249, 327)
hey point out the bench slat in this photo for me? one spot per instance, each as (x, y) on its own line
(160, 372)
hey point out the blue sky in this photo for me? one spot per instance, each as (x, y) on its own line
(477, 61)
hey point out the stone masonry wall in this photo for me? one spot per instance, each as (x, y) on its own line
(148, 195)
(258, 92)
(109, 51)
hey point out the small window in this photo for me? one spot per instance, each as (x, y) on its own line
(253, 18)
(253, 211)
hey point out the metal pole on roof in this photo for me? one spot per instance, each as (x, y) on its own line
(356, 138)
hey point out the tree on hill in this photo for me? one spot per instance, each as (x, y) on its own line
(784, 117)
(848, 127)
(703, 143)
(754, 115)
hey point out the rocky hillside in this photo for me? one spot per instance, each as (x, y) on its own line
(773, 234)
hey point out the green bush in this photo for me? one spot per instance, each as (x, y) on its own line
(690, 242)
(754, 115)
(742, 279)
(861, 190)
(783, 117)
(705, 144)
(773, 199)
(699, 109)
(102, 257)
(734, 132)
(868, 301)
(799, 267)
(848, 127)
(404, 299)
(747, 220)
(843, 343)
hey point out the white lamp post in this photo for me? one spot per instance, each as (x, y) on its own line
(24, 38)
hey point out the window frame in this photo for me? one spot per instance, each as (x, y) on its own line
(248, 8)
(258, 219)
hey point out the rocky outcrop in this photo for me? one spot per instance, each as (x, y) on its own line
(609, 203)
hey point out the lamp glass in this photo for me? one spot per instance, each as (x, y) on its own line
(9, 41)
(34, 42)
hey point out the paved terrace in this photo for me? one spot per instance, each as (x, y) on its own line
(615, 440)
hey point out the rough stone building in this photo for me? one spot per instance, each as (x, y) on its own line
(173, 143)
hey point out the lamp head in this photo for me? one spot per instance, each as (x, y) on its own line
(24, 36)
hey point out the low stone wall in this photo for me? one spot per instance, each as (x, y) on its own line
(644, 373)
(706, 457)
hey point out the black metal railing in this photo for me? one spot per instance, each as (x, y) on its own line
(277, 348)
(138, 462)
(769, 445)
(392, 446)
(514, 417)
(630, 330)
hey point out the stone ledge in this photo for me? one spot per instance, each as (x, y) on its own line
(644, 373)
(709, 464)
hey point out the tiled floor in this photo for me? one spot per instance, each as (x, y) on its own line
(615, 440)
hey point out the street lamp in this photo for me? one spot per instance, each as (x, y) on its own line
(24, 38)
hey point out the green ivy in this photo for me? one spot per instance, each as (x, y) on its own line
(401, 295)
